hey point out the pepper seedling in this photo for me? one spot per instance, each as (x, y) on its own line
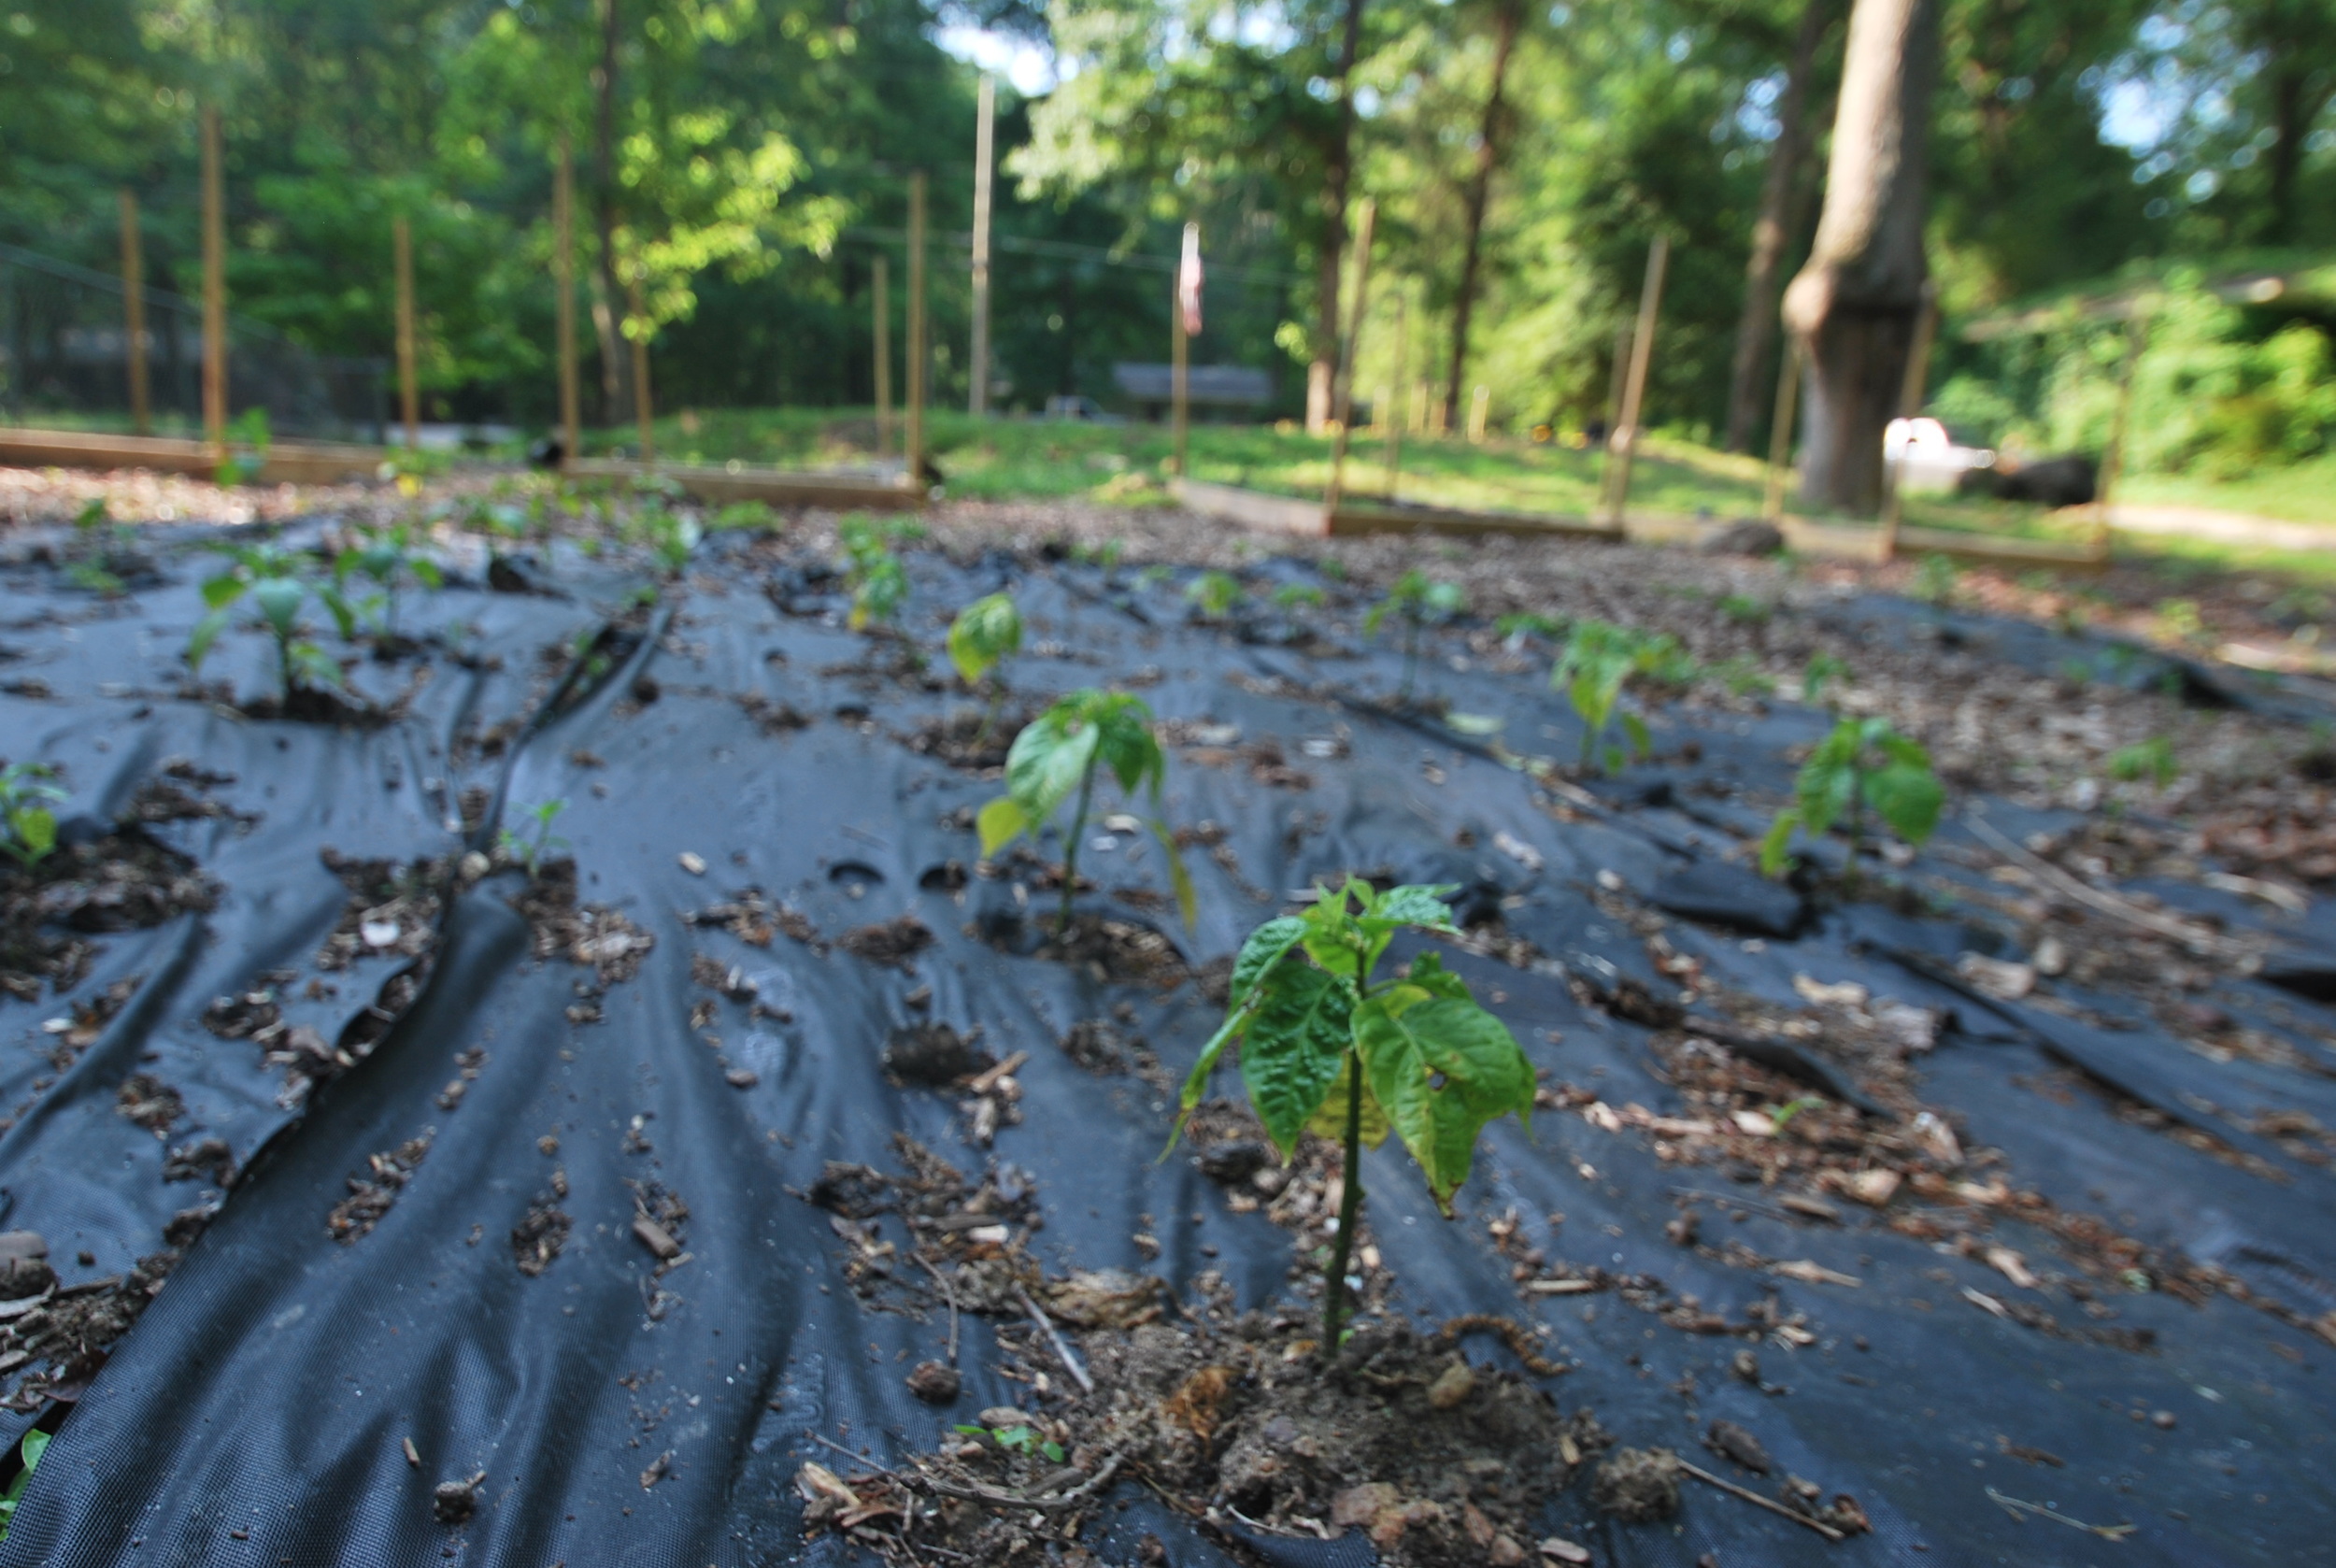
(1599, 661)
(1862, 764)
(530, 852)
(984, 634)
(1057, 754)
(1326, 1049)
(1417, 603)
(272, 579)
(1215, 594)
(877, 583)
(387, 556)
(28, 828)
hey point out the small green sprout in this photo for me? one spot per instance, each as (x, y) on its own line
(34, 1444)
(985, 634)
(1781, 1118)
(1326, 1049)
(1934, 582)
(1823, 670)
(1515, 627)
(1863, 764)
(1215, 594)
(1746, 610)
(756, 514)
(2152, 759)
(1292, 596)
(249, 431)
(28, 828)
(1418, 603)
(1599, 661)
(877, 581)
(387, 556)
(531, 852)
(272, 579)
(1057, 753)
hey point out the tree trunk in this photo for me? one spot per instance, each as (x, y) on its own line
(1855, 303)
(1336, 165)
(616, 405)
(1781, 207)
(1505, 24)
(2295, 105)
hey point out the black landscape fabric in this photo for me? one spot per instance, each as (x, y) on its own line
(422, 1176)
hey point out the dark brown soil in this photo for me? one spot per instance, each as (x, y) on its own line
(371, 1196)
(969, 737)
(890, 944)
(934, 1055)
(123, 881)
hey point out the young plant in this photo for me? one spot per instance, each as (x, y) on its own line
(1515, 627)
(985, 633)
(249, 431)
(672, 537)
(1057, 754)
(1417, 603)
(1325, 1048)
(1862, 765)
(271, 578)
(34, 1444)
(1290, 597)
(1215, 594)
(1934, 582)
(877, 581)
(387, 556)
(2152, 759)
(28, 828)
(530, 852)
(99, 543)
(1599, 661)
(1822, 671)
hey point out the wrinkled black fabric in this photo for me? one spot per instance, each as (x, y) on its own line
(270, 1387)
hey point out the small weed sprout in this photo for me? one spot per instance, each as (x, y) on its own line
(672, 537)
(387, 556)
(100, 544)
(1418, 603)
(1934, 582)
(34, 1444)
(1290, 597)
(984, 634)
(877, 581)
(531, 852)
(1599, 661)
(1326, 1049)
(249, 431)
(2152, 759)
(1018, 1440)
(1058, 755)
(28, 828)
(1215, 595)
(1863, 764)
(1745, 610)
(1514, 628)
(272, 579)
(1822, 671)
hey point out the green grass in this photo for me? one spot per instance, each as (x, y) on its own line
(2304, 492)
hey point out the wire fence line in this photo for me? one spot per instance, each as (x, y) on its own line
(64, 357)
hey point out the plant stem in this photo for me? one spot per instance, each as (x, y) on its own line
(1071, 847)
(1349, 1205)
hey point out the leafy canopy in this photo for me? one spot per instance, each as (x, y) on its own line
(1435, 1068)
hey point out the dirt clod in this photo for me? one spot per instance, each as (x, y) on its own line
(934, 1055)
(455, 1501)
(935, 1382)
(1732, 1441)
(1638, 1485)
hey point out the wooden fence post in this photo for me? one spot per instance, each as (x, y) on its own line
(1479, 408)
(1780, 430)
(1623, 438)
(134, 314)
(214, 291)
(563, 279)
(1343, 386)
(913, 446)
(1910, 393)
(880, 285)
(409, 388)
(642, 404)
(977, 395)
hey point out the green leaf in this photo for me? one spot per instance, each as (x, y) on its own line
(34, 829)
(1416, 906)
(1295, 1046)
(1196, 1081)
(1052, 1449)
(984, 632)
(1188, 902)
(220, 592)
(1443, 1067)
(1267, 945)
(1001, 822)
(428, 573)
(1046, 761)
(1330, 1120)
(279, 600)
(1908, 797)
(205, 632)
(1429, 974)
(1777, 842)
(1642, 741)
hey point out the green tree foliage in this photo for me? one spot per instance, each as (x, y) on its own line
(1057, 756)
(1326, 1049)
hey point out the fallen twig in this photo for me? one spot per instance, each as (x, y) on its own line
(2108, 904)
(1071, 1499)
(1054, 1336)
(948, 1293)
(1753, 1497)
(2016, 1507)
